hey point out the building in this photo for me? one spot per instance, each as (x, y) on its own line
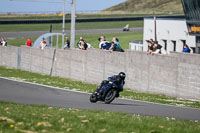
(172, 33)
(192, 14)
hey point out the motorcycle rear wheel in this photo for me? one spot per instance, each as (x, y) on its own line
(110, 96)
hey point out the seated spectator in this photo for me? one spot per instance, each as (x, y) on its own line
(4, 42)
(115, 45)
(43, 44)
(29, 42)
(0, 41)
(105, 45)
(186, 49)
(126, 28)
(82, 44)
(67, 43)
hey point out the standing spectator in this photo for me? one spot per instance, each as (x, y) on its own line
(150, 45)
(186, 49)
(29, 42)
(43, 44)
(67, 43)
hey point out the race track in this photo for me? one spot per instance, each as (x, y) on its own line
(29, 93)
(68, 32)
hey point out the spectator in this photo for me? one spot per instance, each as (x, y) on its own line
(186, 49)
(126, 28)
(4, 42)
(0, 41)
(150, 45)
(82, 44)
(116, 46)
(67, 43)
(105, 45)
(43, 44)
(29, 42)
(156, 48)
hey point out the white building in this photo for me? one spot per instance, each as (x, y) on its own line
(172, 33)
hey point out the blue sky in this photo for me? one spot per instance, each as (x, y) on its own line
(45, 5)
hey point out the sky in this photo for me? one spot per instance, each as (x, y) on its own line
(31, 6)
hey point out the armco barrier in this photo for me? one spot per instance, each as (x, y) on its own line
(174, 75)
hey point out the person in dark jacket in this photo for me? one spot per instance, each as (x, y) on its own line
(186, 49)
(115, 45)
(82, 44)
(118, 80)
(67, 43)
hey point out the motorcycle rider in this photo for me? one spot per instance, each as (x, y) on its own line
(117, 79)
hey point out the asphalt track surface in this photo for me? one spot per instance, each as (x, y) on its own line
(30, 93)
(68, 32)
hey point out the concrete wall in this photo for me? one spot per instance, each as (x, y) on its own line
(174, 75)
(9, 56)
(36, 60)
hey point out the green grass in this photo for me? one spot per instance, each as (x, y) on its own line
(86, 25)
(34, 118)
(124, 38)
(68, 16)
(86, 87)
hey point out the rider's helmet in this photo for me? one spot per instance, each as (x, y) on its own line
(122, 75)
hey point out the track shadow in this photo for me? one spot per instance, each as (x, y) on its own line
(125, 104)
(121, 104)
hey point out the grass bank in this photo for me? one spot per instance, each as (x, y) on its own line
(79, 26)
(85, 87)
(33, 119)
(124, 39)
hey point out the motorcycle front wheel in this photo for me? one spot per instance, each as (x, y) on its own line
(93, 98)
(110, 96)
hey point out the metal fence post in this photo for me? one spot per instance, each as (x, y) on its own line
(53, 60)
(19, 59)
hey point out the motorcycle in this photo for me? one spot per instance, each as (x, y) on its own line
(110, 90)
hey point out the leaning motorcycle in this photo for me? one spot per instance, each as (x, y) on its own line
(108, 94)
